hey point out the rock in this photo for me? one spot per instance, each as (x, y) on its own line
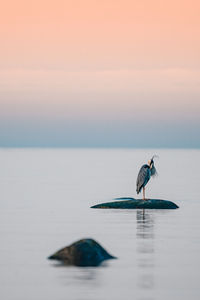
(85, 252)
(131, 203)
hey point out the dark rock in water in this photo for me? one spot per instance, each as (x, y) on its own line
(132, 203)
(85, 252)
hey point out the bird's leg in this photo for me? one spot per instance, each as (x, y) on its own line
(144, 193)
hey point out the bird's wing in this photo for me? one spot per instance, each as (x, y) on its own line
(143, 177)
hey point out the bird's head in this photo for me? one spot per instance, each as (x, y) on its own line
(150, 162)
(151, 165)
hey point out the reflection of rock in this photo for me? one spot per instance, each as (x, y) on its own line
(86, 252)
(145, 249)
(132, 203)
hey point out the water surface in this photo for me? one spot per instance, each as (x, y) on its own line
(46, 196)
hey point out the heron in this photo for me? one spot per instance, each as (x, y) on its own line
(144, 175)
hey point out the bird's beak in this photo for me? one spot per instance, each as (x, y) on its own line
(154, 156)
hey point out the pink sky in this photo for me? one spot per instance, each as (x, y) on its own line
(96, 61)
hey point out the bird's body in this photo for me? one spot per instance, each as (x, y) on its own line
(144, 175)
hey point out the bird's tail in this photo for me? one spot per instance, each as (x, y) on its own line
(138, 189)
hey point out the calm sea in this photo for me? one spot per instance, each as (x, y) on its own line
(45, 199)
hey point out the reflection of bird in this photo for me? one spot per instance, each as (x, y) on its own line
(144, 175)
(145, 225)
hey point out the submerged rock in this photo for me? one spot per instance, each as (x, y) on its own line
(85, 252)
(131, 203)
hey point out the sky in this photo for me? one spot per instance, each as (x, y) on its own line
(100, 73)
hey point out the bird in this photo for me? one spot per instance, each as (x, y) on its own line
(144, 175)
